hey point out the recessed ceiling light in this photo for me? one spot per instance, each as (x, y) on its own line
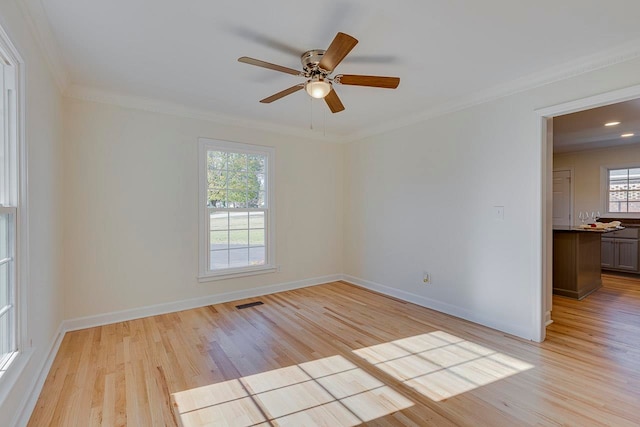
(612, 124)
(627, 135)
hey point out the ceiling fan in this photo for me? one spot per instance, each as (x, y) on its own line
(317, 65)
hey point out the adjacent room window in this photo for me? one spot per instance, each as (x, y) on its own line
(236, 203)
(8, 214)
(623, 190)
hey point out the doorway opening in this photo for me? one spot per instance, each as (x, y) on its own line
(544, 305)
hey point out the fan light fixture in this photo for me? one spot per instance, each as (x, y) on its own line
(317, 87)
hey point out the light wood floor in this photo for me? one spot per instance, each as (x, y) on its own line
(337, 355)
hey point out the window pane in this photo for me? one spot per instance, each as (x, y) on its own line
(617, 196)
(219, 240)
(219, 220)
(4, 285)
(237, 180)
(253, 189)
(217, 198)
(238, 257)
(262, 200)
(616, 185)
(217, 179)
(5, 335)
(618, 179)
(219, 259)
(253, 200)
(260, 181)
(237, 162)
(614, 206)
(239, 220)
(256, 256)
(256, 237)
(239, 238)
(256, 220)
(237, 198)
(618, 173)
(634, 196)
(634, 206)
(256, 163)
(4, 236)
(216, 160)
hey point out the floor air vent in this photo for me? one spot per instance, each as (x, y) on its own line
(250, 304)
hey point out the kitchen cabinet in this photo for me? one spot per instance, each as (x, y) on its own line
(576, 262)
(619, 250)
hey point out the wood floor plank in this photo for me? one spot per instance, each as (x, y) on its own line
(338, 355)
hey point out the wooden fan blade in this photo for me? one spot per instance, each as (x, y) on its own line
(263, 64)
(282, 94)
(373, 81)
(338, 49)
(333, 102)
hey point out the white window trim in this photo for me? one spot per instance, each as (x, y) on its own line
(604, 191)
(204, 274)
(20, 198)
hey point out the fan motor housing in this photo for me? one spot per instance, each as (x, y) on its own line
(311, 58)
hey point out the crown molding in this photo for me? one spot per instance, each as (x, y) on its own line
(38, 24)
(621, 53)
(586, 64)
(179, 110)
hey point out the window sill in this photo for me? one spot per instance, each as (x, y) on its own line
(232, 274)
(12, 371)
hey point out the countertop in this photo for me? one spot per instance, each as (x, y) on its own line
(586, 230)
(626, 222)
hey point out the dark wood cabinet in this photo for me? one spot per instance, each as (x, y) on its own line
(620, 251)
(607, 252)
(576, 263)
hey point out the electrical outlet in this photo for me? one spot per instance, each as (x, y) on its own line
(426, 278)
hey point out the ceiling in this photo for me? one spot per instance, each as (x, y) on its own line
(185, 53)
(586, 130)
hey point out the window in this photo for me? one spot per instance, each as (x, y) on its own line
(623, 190)
(236, 205)
(8, 214)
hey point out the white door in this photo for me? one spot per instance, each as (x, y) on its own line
(562, 198)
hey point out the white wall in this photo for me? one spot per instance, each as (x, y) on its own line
(43, 137)
(421, 198)
(586, 167)
(131, 212)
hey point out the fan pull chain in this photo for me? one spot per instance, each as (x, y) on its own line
(324, 122)
(311, 114)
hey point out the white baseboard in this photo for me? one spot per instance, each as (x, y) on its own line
(547, 318)
(24, 410)
(171, 307)
(439, 306)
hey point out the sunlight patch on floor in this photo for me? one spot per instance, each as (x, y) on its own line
(329, 391)
(440, 365)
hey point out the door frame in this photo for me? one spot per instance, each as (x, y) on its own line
(543, 300)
